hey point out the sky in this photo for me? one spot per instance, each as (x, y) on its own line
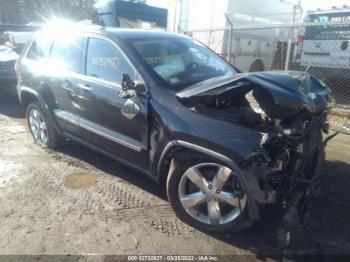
(307, 4)
(323, 4)
(209, 5)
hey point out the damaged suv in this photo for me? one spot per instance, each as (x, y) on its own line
(222, 143)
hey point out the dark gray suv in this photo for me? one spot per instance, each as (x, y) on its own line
(222, 143)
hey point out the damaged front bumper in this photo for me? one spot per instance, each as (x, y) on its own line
(288, 109)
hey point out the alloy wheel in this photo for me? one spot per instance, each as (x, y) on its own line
(38, 127)
(211, 194)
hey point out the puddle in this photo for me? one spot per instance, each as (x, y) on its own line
(81, 180)
(22, 122)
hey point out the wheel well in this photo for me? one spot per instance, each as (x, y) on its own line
(170, 154)
(27, 98)
(165, 164)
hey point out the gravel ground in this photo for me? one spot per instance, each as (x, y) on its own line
(340, 122)
(74, 201)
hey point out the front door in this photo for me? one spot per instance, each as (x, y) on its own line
(105, 119)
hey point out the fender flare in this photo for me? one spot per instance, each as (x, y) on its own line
(42, 102)
(254, 210)
(29, 90)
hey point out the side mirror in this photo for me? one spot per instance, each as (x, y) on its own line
(132, 85)
(127, 83)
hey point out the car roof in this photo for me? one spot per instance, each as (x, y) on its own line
(119, 33)
(126, 33)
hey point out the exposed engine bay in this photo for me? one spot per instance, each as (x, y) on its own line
(290, 109)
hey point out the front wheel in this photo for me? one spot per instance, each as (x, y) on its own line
(207, 194)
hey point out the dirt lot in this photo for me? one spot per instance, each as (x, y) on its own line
(74, 201)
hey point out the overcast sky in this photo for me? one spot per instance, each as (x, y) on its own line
(307, 4)
(207, 6)
(323, 4)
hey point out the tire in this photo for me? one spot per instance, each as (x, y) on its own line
(42, 125)
(180, 164)
(319, 164)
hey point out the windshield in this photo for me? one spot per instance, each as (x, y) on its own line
(180, 62)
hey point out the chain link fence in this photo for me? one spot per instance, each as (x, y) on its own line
(321, 49)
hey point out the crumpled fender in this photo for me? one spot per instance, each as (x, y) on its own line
(291, 89)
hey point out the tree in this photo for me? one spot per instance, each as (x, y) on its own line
(27, 11)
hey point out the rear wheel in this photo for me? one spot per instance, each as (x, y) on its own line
(40, 128)
(207, 194)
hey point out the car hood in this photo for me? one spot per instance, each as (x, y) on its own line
(290, 89)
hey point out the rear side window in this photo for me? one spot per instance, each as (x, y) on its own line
(68, 53)
(106, 62)
(40, 48)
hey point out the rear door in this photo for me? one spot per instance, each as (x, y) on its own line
(102, 121)
(66, 67)
(32, 65)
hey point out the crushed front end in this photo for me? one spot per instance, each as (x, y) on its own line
(290, 110)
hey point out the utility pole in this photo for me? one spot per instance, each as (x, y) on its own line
(211, 21)
(178, 16)
(180, 25)
(175, 17)
(229, 37)
(293, 32)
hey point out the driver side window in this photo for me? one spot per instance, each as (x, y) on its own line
(106, 62)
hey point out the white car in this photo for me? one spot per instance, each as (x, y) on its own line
(17, 40)
(8, 59)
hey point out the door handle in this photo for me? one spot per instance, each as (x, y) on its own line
(85, 87)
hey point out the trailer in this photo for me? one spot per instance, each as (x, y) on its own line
(325, 45)
(117, 13)
(323, 49)
(16, 36)
(255, 38)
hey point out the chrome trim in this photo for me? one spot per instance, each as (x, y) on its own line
(93, 79)
(22, 89)
(110, 137)
(99, 36)
(111, 156)
(87, 125)
(208, 152)
(205, 151)
(83, 75)
(85, 87)
(65, 116)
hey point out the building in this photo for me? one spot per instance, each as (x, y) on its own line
(204, 14)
